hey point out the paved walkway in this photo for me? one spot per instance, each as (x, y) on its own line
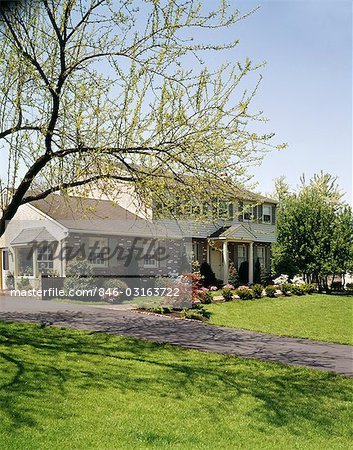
(190, 334)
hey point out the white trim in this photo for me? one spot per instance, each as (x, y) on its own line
(263, 214)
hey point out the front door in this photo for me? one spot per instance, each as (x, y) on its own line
(216, 262)
(4, 267)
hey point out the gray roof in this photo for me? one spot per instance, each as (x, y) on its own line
(79, 214)
(31, 235)
(63, 208)
(237, 232)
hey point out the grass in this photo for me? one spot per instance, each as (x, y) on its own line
(320, 317)
(144, 301)
(136, 301)
(69, 389)
(77, 302)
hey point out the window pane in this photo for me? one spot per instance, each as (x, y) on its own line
(24, 262)
(5, 260)
(149, 255)
(44, 258)
(267, 214)
(98, 248)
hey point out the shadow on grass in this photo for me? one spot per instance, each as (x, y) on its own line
(39, 365)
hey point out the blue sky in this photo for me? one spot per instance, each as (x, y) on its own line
(306, 91)
(307, 87)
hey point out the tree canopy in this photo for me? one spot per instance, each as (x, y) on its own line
(315, 231)
(115, 92)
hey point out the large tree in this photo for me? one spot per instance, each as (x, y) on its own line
(315, 231)
(100, 91)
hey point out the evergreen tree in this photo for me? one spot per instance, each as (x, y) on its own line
(209, 277)
(257, 272)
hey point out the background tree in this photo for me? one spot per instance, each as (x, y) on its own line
(113, 92)
(315, 232)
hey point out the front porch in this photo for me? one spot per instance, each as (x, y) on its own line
(224, 252)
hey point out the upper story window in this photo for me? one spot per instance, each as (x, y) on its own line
(256, 212)
(248, 212)
(267, 214)
(223, 209)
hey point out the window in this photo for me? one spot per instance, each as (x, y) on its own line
(267, 214)
(149, 255)
(223, 211)
(195, 251)
(241, 254)
(248, 212)
(24, 261)
(5, 260)
(260, 253)
(98, 252)
(44, 258)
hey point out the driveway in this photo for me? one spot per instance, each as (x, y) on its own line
(184, 333)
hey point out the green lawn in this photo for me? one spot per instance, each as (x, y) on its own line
(64, 389)
(320, 317)
(77, 302)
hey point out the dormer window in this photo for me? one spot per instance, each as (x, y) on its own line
(267, 214)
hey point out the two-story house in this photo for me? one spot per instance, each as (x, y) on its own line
(45, 234)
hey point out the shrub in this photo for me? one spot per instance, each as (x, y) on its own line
(257, 271)
(204, 295)
(227, 294)
(257, 290)
(298, 280)
(209, 278)
(336, 286)
(23, 284)
(245, 294)
(282, 279)
(78, 275)
(10, 281)
(244, 272)
(270, 291)
(163, 282)
(161, 309)
(207, 299)
(309, 288)
(297, 289)
(349, 286)
(197, 312)
(189, 283)
(266, 278)
(233, 276)
(285, 288)
(115, 290)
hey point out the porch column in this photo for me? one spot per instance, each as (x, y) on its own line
(208, 250)
(251, 262)
(225, 262)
